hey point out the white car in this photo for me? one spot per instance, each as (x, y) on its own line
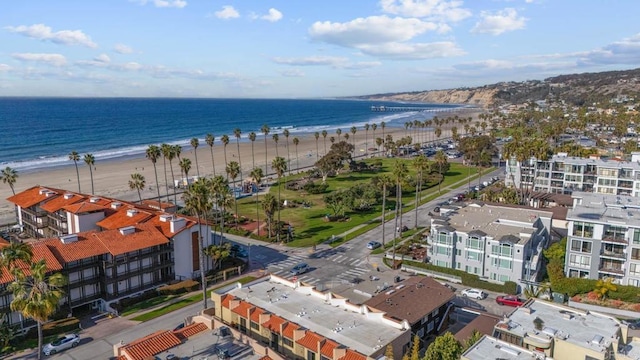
(62, 343)
(474, 293)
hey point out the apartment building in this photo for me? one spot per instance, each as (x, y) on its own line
(300, 322)
(563, 174)
(548, 330)
(604, 238)
(497, 243)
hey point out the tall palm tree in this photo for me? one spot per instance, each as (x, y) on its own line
(276, 138)
(279, 165)
(90, 160)
(222, 197)
(177, 150)
(137, 182)
(185, 166)
(269, 205)
(265, 130)
(383, 125)
(317, 136)
(400, 171)
(257, 175)
(210, 139)
(225, 141)
(153, 153)
(165, 149)
(37, 296)
(252, 137)
(366, 139)
(421, 164)
(197, 200)
(296, 141)
(13, 253)
(286, 136)
(237, 133)
(169, 153)
(353, 132)
(338, 132)
(384, 181)
(9, 176)
(441, 160)
(194, 144)
(324, 139)
(233, 169)
(374, 126)
(73, 156)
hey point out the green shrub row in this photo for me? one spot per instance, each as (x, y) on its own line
(179, 288)
(66, 325)
(471, 280)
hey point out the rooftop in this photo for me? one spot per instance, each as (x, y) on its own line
(492, 348)
(613, 209)
(612, 164)
(359, 328)
(585, 329)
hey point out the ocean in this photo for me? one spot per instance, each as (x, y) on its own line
(41, 132)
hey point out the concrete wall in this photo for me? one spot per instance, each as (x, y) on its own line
(605, 310)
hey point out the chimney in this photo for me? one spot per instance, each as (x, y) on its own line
(166, 217)
(94, 200)
(127, 230)
(116, 205)
(68, 239)
(68, 196)
(177, 224)
(131, 212)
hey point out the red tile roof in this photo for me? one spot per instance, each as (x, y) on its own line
(31, 196)
(83, 207)
(242, 308)
(353, 355)
(121, 218)
(154, 204)
(310, 341)
(266, 357)
(165, 226)
(145, 236)
(288, 330)
(85, 247)
(151, 345)
(327, 348)
(189, 331)
(226, 300)
(40, 252)
(255, 314)
(59, 202)
(274, 323)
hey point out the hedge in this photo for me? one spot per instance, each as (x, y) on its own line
(128, 301)
(56, 327)
(471, 280)
(179, 288)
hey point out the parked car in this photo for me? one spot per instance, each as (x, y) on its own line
(237, 251)
(474, 293)
(509, 300)
(62, 343)
(300, 269)
(373, 245)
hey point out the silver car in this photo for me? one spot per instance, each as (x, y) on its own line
(62, 343)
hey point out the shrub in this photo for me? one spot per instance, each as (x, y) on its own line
(179, 288)
(315, 188)
(55, 327)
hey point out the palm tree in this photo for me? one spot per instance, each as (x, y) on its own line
(237, 132)
(338, 132)
(197, 200)
(374, 126)
(194, 144)
(366, 139)
(332, 139)
(169, 153)
(265, 130)
(13, 253)
(137, 182)
(225, 142)
(9, 176)
(257, 175)
(296, 141)
(400, 171)
(385, 182)
(177, 150)
(252, 137)
(383, 125)
(324, 139)
(279, 165)
(210, 139)
(73, 156)
(269, 205)
(233, 169)
(153, 153)
(317, 136)
(37, 296)
(185, 166)
(286, 136)
(441, 160)
(222, 197)
(379, 142)
(421, 164)
(217, 253)
(276, 138)
(90, 160)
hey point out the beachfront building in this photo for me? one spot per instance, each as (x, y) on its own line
(604, 238)
(563, 174)
(299, 322)
(549, 330)
(497, 243)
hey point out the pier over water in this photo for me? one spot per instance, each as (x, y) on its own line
(383, 108)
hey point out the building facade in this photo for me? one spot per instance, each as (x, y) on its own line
(496, 243)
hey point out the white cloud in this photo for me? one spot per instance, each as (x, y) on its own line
(227, 12)
(362, 65)
(49, 59)
(311, 61)
(499, 22)
(292, 73)
(4, 67)
(419, 51)
(43, 32)
(164, 3)
(442, 10)
(626, 51)
(273, 16)
(122, 49)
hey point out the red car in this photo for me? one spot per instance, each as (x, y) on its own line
(509, 300)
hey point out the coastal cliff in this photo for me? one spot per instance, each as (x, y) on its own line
(482, 97)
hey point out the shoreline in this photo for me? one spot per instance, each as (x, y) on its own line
(111, 175)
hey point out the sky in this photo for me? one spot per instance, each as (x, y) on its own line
(303, 48)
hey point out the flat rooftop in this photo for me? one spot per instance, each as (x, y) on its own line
(613, 209)
(632, 349)
(302, 305)
(492, 348)
(497, 221)
(585, 329)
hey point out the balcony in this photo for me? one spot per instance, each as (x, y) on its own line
(618, 254)
(614, 239)
(557, 176)
(34, 213)
(608, 268)
(625, 184)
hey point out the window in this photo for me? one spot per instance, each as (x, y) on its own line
(502, 263)
(444, 238)
(287, 342)
(634, 269)
(475, 256)
(503, 249)
(510, 338)
(442, 263)
(311, 355)
(634, 282)
(581, 261)
(578, 274)
(635, 254)
(614, 233)
(583, 229)
(607, 182)
(581, 246)
(636, 236)
(474, 243)
(443, 250)
(255, 326)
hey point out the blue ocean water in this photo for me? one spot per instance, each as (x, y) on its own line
(41, 132)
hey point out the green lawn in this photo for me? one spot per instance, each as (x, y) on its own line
(147, 304)
(310, 225)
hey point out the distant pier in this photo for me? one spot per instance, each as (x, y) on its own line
(382, 108)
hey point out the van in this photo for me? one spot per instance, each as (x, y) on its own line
(300, 269)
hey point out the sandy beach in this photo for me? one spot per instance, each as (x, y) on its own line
(111, 177)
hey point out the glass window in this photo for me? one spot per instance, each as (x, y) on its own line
(472, 255)
(287, 342)
(502, 263)
(635, 254)
(583, 229)
(581, 246)
(580, 260)
(636, 236)
(255, 326)
(503, 249)
(474, 243)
